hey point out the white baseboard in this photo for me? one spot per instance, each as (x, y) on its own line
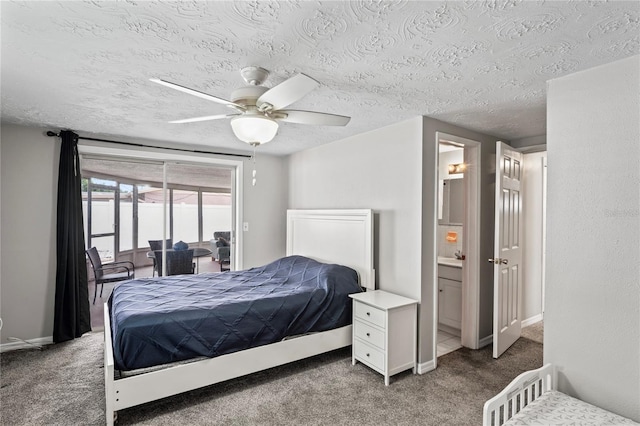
(485, 341)
(448, 329)
(489, 339)
(26, 344)
(425, 367)
(534, 319)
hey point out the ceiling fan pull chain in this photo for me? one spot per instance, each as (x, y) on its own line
(253, 182)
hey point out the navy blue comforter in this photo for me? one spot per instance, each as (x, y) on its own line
(160, 320)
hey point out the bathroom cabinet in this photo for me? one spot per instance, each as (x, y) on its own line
(450, 296)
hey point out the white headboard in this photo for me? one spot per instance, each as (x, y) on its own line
(344, 237)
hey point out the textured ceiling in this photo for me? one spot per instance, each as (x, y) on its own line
(479, 64)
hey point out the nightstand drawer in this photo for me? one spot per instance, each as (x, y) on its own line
(369, 354)
(369, 313)
(369, 334)
(384, 332)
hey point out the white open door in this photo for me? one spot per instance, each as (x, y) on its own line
(507, 282)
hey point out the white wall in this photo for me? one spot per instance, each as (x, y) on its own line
(29, 187)
(450, 157)
(379, 170)
(532, 195)
(394, 171)
(446, 248)
(29, 173)
(592, 300)
(265, 210)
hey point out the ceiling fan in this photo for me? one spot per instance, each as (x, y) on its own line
(258, 109)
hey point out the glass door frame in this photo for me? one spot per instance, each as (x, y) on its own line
(114, 152)
(116, 211)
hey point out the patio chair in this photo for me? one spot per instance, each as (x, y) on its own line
(221, 248)
(120, 271)
(178, 262)
(157, 245)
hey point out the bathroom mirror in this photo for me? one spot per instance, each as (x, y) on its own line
(451, 210)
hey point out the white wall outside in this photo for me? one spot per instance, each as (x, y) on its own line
(592, 300)
(185, 218)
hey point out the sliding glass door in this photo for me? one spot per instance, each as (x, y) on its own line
(100, 212)
(150, 203)
(200, 201)
(125, 216)
(130, 202)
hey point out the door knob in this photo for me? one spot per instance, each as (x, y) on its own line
(499, 261)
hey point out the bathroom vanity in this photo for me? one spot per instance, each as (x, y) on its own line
(450, 294)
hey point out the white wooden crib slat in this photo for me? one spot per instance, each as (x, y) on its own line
(518, 394)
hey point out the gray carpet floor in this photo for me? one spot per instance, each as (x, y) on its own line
(64, 385)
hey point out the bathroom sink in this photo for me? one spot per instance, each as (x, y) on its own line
(450, 261)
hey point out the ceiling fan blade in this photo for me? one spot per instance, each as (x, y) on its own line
(196, 93)
(287, 92)
(314, 118)
(205, 118)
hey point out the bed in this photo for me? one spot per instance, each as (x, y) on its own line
(532, 399)
(314, 238)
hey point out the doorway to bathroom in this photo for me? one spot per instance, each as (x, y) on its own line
(457, 244)
(450, 235)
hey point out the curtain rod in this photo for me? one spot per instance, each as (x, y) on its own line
(139, 145)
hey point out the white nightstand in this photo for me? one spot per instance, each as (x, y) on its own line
(384, 332)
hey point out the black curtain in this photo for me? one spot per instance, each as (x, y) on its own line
(71, 317)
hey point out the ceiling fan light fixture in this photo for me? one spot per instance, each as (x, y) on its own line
(259, 109)
(254, 128)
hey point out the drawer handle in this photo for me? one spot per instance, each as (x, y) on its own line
(368, 334)
(367, 354)
(368, 314)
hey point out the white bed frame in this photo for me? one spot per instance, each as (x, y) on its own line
(525, 388)
(333, 236)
